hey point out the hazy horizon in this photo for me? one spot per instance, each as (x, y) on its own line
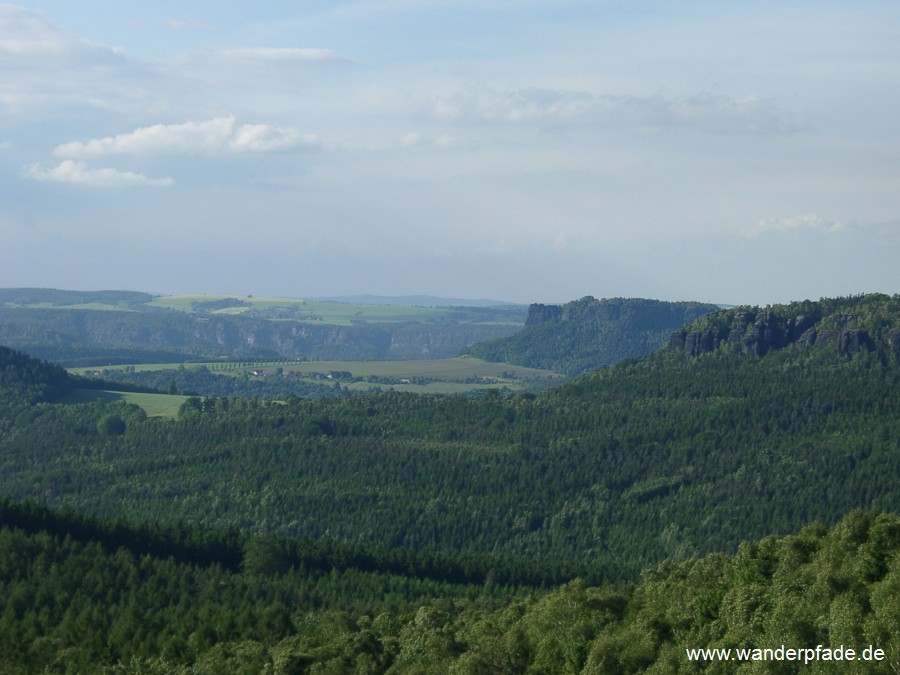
(523, 152)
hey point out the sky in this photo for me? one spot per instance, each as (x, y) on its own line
(527, 151)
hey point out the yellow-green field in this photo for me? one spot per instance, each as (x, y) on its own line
(155, 405)
(458, 368)
(144, 367)
(340, 313)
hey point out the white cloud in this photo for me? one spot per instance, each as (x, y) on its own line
(705, 112)
(515, 106)
(46, 69)
(179, 25)
(288, 54)
(26, 33)
(193, 138)
(415, 139)
(70, 171)
(724, 114)
(264, 138)
(187, 138)
(410, 139)
(806, 221)
(445, 141)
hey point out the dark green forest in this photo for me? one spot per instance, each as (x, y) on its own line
(201, 381)
(604, 526)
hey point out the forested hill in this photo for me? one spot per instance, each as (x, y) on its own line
(588, 333)
(846, 326)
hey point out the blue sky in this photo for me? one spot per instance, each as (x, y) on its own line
(528, 151)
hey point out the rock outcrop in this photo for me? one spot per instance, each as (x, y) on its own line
(538, 314)
(588, 333)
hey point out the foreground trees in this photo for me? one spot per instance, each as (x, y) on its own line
(74, 604)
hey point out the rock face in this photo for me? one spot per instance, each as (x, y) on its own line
(854, 341)
(421, 341)
(213, 336)
(851, 325)
(893, 341)
(695, 342)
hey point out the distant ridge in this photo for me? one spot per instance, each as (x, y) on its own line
(63, 298)
(413, 301)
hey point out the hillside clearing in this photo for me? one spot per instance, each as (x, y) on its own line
(155, 405)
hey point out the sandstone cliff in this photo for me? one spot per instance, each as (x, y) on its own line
(848, 326)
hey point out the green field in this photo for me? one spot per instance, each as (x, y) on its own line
(155, 405)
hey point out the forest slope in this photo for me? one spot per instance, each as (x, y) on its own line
(24, 381)
(667, 456)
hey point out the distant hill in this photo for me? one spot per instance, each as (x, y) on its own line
(51, 297)
(588, 333)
